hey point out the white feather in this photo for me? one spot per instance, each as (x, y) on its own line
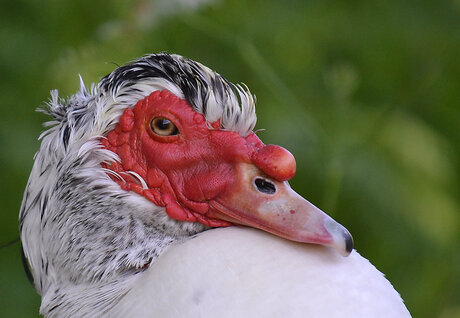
(243, 272)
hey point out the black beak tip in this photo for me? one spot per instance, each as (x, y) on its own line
(348, 242)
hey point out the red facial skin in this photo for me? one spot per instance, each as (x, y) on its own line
(184, 172)
(209, 175)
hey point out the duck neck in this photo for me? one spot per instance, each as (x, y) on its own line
(82, 232)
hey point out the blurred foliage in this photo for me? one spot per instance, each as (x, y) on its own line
(364, 93)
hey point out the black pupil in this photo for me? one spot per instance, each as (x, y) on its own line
(265, 186)
(163, 124)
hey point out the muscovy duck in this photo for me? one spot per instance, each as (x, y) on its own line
(147, 199)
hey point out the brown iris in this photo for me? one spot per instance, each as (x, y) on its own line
(163, 127)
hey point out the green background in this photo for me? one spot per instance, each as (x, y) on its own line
(365, 94)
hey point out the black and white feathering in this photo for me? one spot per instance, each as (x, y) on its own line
(79, 227)
(97, 250)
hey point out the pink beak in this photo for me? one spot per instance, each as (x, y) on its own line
(257, 200)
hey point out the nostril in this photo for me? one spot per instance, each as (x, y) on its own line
(264, 186)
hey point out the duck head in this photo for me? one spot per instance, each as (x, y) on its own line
(201, 171)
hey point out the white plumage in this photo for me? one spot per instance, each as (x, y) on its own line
(104, 239)
(243, 272)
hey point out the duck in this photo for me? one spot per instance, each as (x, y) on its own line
(151, 195)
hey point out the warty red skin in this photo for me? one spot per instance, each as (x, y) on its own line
(184, 172)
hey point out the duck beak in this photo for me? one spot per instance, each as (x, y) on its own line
(256, 200)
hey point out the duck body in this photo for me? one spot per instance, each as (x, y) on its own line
(137, 198)
(234, 272)
(248, 273)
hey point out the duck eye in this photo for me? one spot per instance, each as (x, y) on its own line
(163, 127)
